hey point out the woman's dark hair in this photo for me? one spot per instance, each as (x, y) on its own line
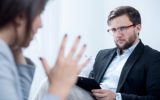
(131, 12)
(9, 9)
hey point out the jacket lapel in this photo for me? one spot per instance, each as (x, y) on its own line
(129, 64)
(105, 63)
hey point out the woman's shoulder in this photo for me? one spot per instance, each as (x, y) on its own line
(6, 57)
(5, 51)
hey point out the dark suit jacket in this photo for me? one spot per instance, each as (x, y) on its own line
(140, 76)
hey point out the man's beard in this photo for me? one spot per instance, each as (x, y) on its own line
(127, 44)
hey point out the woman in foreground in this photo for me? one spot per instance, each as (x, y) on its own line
(19, 21)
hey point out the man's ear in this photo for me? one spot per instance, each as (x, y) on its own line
(138, 28)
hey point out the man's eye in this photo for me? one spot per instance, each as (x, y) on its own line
(122, 28)
(113, 29)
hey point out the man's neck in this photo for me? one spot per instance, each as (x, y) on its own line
(121, 51)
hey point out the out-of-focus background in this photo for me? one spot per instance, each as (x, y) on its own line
(88, 19)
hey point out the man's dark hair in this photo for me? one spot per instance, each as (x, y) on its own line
(131, 12)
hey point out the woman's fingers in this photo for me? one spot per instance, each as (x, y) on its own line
(63, 45)
(45, 65)
(84, 64)
(81, 52)
(74, 47)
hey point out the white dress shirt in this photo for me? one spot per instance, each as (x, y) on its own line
(112, 75)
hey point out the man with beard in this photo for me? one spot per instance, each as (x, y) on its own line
(131, 71)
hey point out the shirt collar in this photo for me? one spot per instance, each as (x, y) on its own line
(129, 50)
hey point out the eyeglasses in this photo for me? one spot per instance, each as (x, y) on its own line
(120, 29)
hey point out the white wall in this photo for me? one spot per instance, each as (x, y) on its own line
(88, 19)
(149, 10)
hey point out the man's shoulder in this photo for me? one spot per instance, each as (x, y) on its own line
(150, 50)
(151, 53)
(106, 51)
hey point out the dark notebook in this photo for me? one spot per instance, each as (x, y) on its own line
(87, 83)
